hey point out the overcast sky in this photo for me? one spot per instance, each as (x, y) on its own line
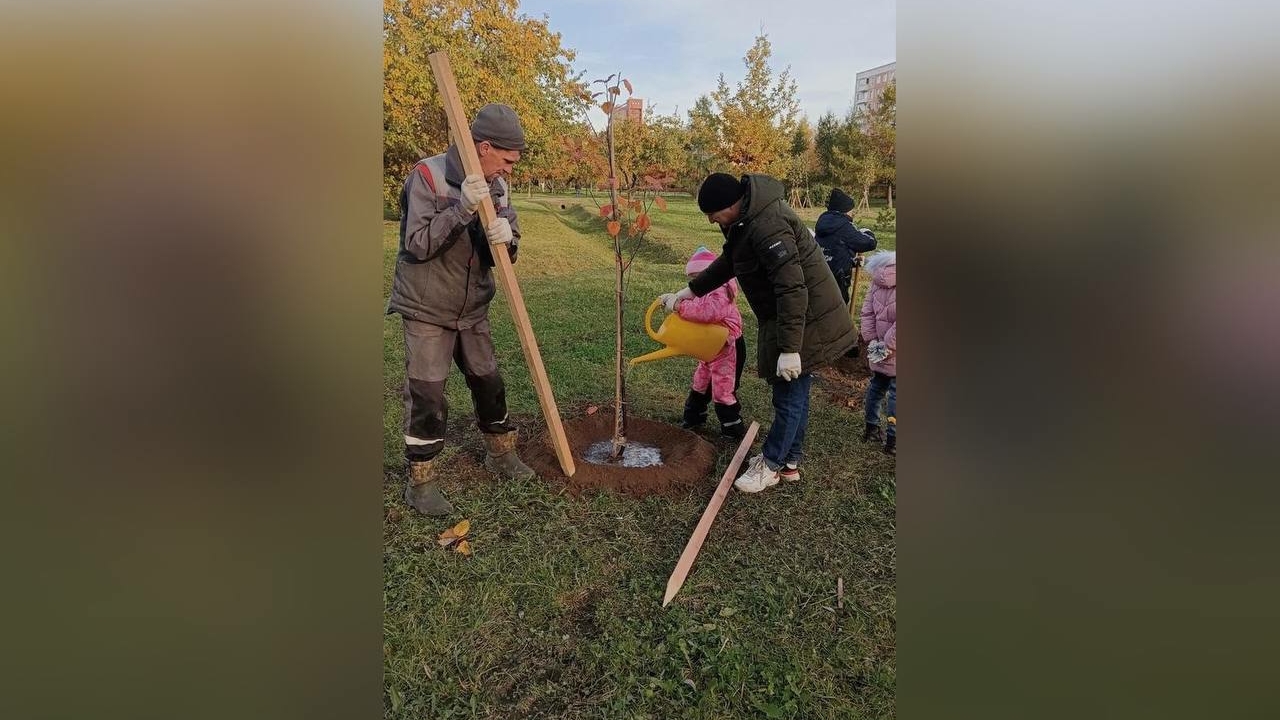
(673, 50)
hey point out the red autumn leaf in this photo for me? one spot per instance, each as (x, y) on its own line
(642, 222)
(615, 90)
(628, 84)
(614, 226)
(592, 409)
(607, 107)
(606, 210)
(661, 202)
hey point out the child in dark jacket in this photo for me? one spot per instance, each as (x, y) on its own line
(718, 379)
(841, 241)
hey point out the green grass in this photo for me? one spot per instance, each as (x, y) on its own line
(558, 614)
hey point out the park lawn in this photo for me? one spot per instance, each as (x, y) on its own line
(558, 613)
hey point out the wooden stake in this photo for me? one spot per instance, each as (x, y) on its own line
(853, 293)
(461, 131)
(704, 525)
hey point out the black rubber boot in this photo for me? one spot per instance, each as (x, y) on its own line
(422, 492)
(731, 425)
(872, 433)
(891, 445)
(695, 409)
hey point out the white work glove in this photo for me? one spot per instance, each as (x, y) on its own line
(474, 189)
(878, 351)
(499, 231)
(789, 366)
(670, 300)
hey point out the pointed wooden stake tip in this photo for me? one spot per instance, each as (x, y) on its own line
(708, 515)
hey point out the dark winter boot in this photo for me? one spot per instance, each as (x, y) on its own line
(500, 457)
(872, 433)
(422, 492)
(891, 445)
(731, 425)
(695, 409)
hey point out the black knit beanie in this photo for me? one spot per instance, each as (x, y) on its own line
(839, 202)
(719, 191)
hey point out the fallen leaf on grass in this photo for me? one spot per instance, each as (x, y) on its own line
(592, 409)
(454, 534)
(464, 547)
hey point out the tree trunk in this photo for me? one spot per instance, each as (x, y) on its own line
(890, 196)
(866, 199)
(620, 390)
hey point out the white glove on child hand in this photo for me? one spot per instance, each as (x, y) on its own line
(670, 300)
(474, 190)
(789, 366)
(499, 231)
(878, 351)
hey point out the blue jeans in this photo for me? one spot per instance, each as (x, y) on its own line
(881, 383)
(790, 418)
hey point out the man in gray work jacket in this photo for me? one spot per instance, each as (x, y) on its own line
(442, 288)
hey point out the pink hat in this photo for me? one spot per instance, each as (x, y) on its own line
(702, 257)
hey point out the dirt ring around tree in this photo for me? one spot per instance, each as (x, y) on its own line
(687, 459)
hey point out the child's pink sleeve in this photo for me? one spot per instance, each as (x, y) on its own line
(867, 318)
(714, 307)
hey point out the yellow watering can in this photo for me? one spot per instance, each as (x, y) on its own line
(683, 337)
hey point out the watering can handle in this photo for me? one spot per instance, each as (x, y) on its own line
(648, 319)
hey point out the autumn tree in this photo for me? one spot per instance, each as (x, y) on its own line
(882, 137)
(755, 120)
(854, 163)
(654, 147)
(802, 165)
(580, 164)
(826, 137)
(632, 192)
(702, 143)
(498, 55)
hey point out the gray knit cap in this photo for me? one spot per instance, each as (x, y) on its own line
(499, 125)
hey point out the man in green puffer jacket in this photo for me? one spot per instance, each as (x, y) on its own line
(803, 321)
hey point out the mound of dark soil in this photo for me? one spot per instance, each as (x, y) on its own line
(687, 459)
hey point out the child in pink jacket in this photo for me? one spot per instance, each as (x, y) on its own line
(718, 379)
(880, 333)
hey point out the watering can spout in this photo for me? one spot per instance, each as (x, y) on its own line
(665, 352)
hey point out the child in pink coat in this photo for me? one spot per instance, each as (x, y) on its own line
(880, 333)
(718, 379)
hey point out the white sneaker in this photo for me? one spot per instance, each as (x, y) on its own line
(757, 477)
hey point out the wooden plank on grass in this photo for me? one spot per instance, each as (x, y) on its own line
(461, 131)
(704, 525)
